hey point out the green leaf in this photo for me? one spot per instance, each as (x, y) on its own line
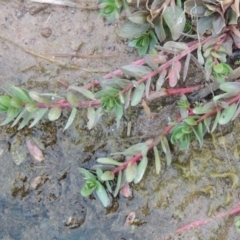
(16, 102)
(230, 86)
(118, 109)
(215, 121)
(85, 191)
(4, 103)
(207, 123)
(157, 160)
(83, 91)
(102, 195)
(139, 17)
(227, 114)
(108, 185)
(137, 148)
(38, 98)
(118, 186)
(166, 149)
(86, 174)
(11, 114)
(132, 30)
(18, 117)
(72, 99)
(137, 94)
(99, 173)
(199, 134)
(175, 19)
(106, 176)
(141, 168)
(54, 113)
(190, 120)
(23, 95)
(131, 172)
(218, 68)
(25, 121)
(38, 116)
(71, 118)
(136, 71)
(31, 107)
(108, 161)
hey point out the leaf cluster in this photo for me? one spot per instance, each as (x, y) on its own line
(215, 62)
(146, 28)
(212, 15)
(110, 9)
(21, 105)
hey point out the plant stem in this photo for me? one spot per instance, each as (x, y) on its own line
(204, 221)
(168, 63)
(109, 75)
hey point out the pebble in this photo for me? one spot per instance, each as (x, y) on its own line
(46, 32)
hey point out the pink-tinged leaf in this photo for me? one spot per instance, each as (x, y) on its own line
(126, 190)
(130, 218)
(36, 182)
(174, 73)
(235, 7)
(34, 150)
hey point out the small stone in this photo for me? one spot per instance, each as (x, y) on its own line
(46, 32)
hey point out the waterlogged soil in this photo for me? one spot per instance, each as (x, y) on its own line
(41, 44)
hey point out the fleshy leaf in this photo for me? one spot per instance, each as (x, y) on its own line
(86, 174)
(71, 118)
(25, 120)
(85, 191)
(174, 73)
(102, 195)
(136, 71)
(230, 86)
(139, 17)
(38, 116)
(131, 172)
(141, 168)
(54, 113)
(106, 176)
(72, 99)
(108, 161)
(175, 19)
(132, 30)
(11, 114)
(227, 114)
(118, 186)
(20, 93)
(157, 160)
(166, 149)
(137, 94)
(83, 91)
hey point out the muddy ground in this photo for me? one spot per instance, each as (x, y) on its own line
(43, 44)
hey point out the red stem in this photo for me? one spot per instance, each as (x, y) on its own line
(109, 75)
(167, 64)
(167, 131)
(204, 221)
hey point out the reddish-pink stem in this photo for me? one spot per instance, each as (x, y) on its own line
(131, 161)
(109, 75)
(176, 91)
(66, 104)
(167, 64)
(167, 131)
(215, 110)
(204, 221)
